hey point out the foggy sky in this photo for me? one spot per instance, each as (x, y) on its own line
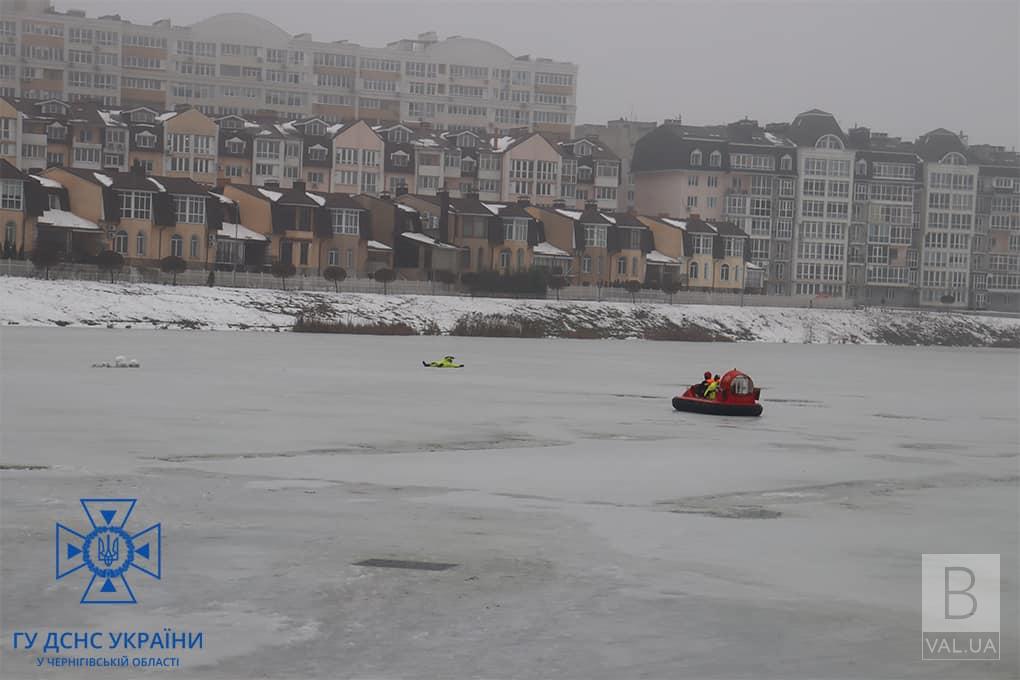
(901, 66)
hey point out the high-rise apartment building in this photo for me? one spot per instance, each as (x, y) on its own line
(243, 64)
(857, 215)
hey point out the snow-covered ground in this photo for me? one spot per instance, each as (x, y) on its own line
(597, 533)
(32, 302)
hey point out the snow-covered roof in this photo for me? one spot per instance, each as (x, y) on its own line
(572, 214)
(239, 232)
(47, 182)
(157, 183)
(494, 208)
(655, 257)
(548, 249)
(67, 220)
(428, 240)
(500, 144)
(333, 129)
(425, 141)
(406, 208)
(609, 218)
(108, 118)
(377, 245)
(673, 223)
(273, 196)
(223, 199)
(318, 199)
(163, 117)
(106, 180)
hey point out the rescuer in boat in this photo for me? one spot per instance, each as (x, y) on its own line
(445, 362)
(712, 389)
(700, 388)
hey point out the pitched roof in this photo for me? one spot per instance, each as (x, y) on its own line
(808, 127)
(8, 171)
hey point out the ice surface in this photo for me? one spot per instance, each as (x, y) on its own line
(598, 533)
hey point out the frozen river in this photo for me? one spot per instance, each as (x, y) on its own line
(596, 532)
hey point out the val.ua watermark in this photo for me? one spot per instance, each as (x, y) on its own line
(960, 607)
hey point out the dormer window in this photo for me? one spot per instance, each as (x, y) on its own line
(317, 153)
(786, 162)
(145, 140)
(231, 123)
(235, 145)
(715, 159)
(829, 142)
(56, 131)
(466, 140)
(315, 129)
(143, 116)
(399, 135)
(696, 158)
(52, 107)
(862, 167)
(954, 158)
(582, 149)
(400, 159)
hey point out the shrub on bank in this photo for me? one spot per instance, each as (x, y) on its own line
(303, 325)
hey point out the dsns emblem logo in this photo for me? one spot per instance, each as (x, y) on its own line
(109, 551)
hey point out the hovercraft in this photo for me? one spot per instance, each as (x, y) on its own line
(736, 396)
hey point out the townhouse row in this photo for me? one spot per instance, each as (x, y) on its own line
(351, 157)
(853, 214)
(238, 63)
(241, 226)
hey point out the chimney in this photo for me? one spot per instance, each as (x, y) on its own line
(298, 186)
(523, 201)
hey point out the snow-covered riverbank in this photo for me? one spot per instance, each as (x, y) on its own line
(31, 302)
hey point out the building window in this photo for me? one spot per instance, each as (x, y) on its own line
(333, 258)
(177, 245)
(140, 244)
(11, 194)
(829, 142)
(621, 265)
(693, 271)
(346, 222)
(692, 202)
(586, 264)
(692, 180)
(515, 229)
(136, 205)
(696, 158)
(786, 163)
(193, 246)
(715, 159)
(120, 242)
(303, 253)
(504, 259)
(724, 272)
(190, 209)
